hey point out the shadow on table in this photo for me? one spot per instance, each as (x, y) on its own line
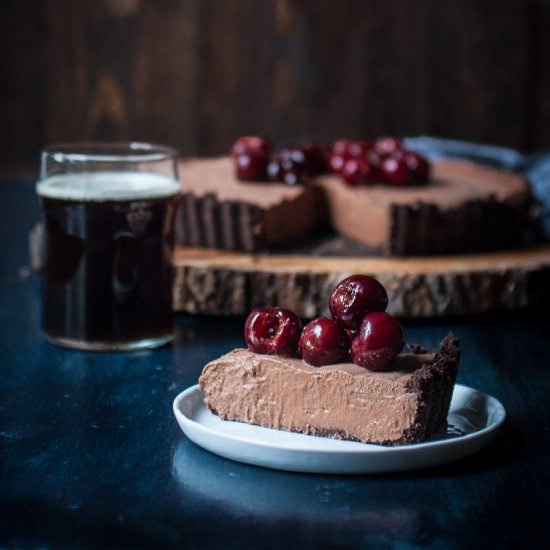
(246, 491)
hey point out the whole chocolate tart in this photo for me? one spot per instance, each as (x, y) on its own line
(405, 404)
(465, 207)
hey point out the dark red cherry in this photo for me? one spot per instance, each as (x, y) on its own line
(354, 297)
(398, 154)
(375, 161)
(341, 147)
(272, 330)
(358, 148)
(251, 144)
(387, 145)
(394, 170)
(292, 177)
(285, 171)
(293, 164)
(324, 342)
(336, 163)
(379, 341)
(251, 166)
(315, 162)
(291, 157)
(357, 171)
(274, 170)
(352, 333)
(418, 166)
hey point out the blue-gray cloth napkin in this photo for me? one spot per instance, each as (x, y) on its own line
(535, 168)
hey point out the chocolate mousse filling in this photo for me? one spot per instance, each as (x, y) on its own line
(408, 403)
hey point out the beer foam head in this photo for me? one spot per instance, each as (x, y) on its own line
(107, 186)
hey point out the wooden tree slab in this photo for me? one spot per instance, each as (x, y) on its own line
(227, 283)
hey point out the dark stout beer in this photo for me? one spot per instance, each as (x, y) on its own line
(108, 277)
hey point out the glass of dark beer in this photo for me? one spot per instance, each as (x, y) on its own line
(108, 210)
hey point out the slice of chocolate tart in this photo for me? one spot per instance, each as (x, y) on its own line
(219, 211)
(407, 403)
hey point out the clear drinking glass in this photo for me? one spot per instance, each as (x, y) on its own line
(108, 210)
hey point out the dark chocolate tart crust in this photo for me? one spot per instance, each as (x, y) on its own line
(475, 226)
(433, 384)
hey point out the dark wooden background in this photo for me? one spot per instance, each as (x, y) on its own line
(197, 73)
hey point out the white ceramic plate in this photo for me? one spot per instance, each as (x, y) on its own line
(474, 419)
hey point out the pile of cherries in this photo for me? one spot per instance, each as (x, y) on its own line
(384, 161)
(254, 161)
(359, 329)
(356, 162)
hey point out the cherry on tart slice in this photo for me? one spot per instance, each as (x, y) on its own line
(354, 297)
(358, 148)
(357, 171)
(251, 144)
(314, 155)
(379, 341)
(341, 147)
(375, 161)
(385, 146)
(293, 165)
(336, 163)
(418, 166)
(394, 170)
(251, 166)
(275, 170)
(324, 342)
(273, 331)
(352, 334)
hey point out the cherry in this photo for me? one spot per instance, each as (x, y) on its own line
(314, 155)
(293, 164)
(292, 177)
(379, 340)
(354, 297)
(251, 144)
(251, 166)
(398, 154)
(292, 156)
(274, 170)
(418, 166)
(341, 147)
(352, 333)
(323, 342)
(285, 171)
(375, 161)
(387, 145)
(358, 148)
(272, 330)
(357, 171)
(394, 170)
(336, 163)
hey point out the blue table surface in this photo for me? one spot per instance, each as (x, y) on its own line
(91, 454)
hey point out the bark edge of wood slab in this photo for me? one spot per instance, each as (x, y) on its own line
(214, 282)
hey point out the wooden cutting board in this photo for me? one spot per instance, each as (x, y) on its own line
(230, 283)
